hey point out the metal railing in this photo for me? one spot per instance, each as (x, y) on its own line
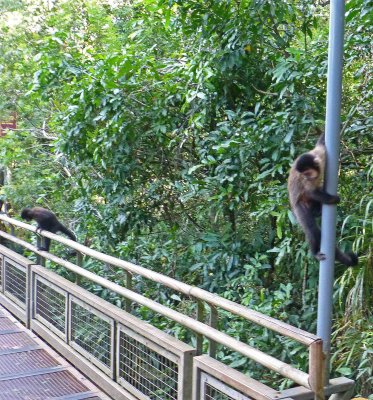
(122, 354)
(56, 307)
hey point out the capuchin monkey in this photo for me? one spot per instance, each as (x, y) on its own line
(306, 195)
(48, 221)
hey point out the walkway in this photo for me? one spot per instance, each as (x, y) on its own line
(30, 370)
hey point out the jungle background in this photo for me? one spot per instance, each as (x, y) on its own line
(162, 132)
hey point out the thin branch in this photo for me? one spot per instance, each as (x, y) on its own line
(264, 92)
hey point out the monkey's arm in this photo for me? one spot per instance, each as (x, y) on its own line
(323, 197)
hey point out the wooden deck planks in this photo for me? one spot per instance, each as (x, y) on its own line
(29, 369)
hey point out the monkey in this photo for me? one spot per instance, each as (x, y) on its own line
(306, 195)
(46, 220)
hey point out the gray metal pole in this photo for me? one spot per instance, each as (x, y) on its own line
(332, 139)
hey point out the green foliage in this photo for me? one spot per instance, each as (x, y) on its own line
(164, 130)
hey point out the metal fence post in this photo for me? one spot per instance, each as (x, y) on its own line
(213, 323)
(39, 259)
(332, 133)
(200, 317)
(128, 302)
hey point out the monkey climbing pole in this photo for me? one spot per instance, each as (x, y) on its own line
(332, 139)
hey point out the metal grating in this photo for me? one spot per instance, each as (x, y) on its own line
(27, 361)
(46, 386)
(6, 324)
(91, 333)
(149, 372)
(50, 305)
(15, 281)
(16, 341)
(1, 273)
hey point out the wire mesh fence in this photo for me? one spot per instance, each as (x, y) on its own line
(212, 393)
(92, 333)
(50, 305)
(146, 370)
(15, 281)
(214, 380)
(142, 361)
(223, 392)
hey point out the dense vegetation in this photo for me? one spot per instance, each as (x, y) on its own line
(164, 131)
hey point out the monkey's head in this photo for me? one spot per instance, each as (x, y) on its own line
(309, 166)
(26, 214)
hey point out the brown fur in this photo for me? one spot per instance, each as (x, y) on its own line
(299, 184)
(306, 195)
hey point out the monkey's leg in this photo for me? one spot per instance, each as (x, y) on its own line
(47, 243)
(314, 239)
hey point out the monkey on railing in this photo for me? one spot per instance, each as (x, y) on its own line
(48, 221)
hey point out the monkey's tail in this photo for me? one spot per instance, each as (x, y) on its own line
(350, 259)
(67, 232)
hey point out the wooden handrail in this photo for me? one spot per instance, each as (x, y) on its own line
(283, 328)
(313, 380)
(256, 355)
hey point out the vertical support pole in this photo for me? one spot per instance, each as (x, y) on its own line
(332, 133)
(128, 302)
(200, 317)
(39, 243)
(113, 351)
(196, 382)
(213, 324)
(12, 230)
(29, 289)
(68, 318)
(79, 262)
(316, 369)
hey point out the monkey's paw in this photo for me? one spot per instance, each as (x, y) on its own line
(320, 256)
(337, 199)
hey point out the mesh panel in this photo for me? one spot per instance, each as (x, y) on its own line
(47, 386)
(15, 281)
(214, 389)
(91, 333)
(51, 305)
(16, 341)
(6, 324)
(215, 394)
(148, 371)
(27, 361)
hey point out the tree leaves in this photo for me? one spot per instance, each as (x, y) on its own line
(176, 125)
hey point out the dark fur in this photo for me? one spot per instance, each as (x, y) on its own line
(305, 162)
(48, 221)
(306, 194)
